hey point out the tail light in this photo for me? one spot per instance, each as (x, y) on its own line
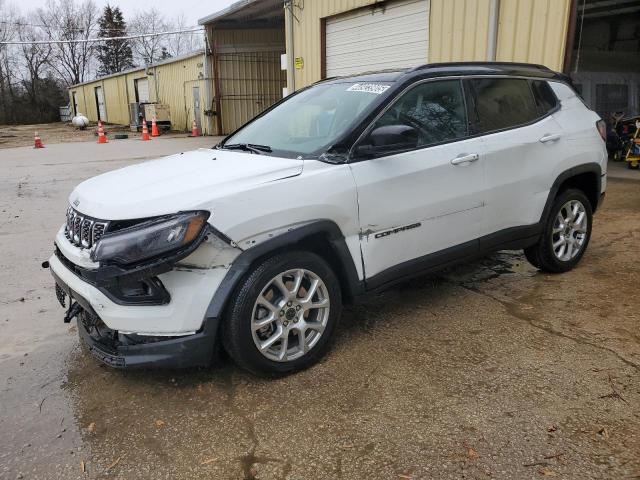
(602, 129)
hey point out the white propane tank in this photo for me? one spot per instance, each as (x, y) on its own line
(80, 121)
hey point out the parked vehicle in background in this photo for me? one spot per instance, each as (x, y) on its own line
(343, 188)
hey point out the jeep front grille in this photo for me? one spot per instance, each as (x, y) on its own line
(84, 231)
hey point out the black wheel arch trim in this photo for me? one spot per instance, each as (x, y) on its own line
(243, 262)
(591, 167)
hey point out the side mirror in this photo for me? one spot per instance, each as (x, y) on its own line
(388, 139)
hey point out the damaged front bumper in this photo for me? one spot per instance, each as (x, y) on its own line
(166, 325)
(133, 351)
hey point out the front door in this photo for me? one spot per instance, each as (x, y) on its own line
(196, 107)
(416, 205)
(102, 113)
(75, 104)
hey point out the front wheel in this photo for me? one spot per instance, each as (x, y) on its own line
(283, 315)
(566, 233)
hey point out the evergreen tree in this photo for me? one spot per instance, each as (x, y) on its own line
(164, 54)
(114, 55)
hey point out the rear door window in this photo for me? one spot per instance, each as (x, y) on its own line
(501, 103)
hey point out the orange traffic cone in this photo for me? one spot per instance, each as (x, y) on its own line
(194, 130)
(37, 142)
(101, 136)
(145, 130)
(154, 127)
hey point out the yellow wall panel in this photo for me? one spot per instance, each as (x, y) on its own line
(175, 82)
(533, 31)
(458, 30)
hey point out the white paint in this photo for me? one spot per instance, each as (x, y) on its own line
(418, 186)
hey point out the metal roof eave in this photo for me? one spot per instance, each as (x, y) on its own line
(139, 69)
(230, 10)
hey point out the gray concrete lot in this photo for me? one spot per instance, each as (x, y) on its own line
(488, 370)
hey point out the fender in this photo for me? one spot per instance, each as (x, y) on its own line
(241, 265)
(564, 176)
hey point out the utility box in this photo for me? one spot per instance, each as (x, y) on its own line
(158, 110)
(146, 111)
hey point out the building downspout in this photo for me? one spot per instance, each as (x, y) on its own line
(207, 83)
(492, 36)
(291, 77)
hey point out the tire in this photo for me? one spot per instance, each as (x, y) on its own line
(258, 297)
(574, 236)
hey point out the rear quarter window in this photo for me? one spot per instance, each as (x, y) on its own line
(545, 99)
(501, 103)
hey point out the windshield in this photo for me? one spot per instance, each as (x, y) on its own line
(309, 122)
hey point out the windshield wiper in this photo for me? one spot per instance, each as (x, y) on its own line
(248, 147)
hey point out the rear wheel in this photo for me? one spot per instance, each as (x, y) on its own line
(284, 314)
(566, 234)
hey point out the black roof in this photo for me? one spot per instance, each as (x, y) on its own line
(455, 68)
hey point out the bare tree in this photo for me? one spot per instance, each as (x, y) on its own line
(148, 49)
(68, 20)
(180, 44)
(8, 66)
(35, 60)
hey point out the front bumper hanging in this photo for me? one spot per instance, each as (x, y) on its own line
(135, 351)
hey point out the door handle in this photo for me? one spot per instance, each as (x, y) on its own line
(465, 159)
(550, 137)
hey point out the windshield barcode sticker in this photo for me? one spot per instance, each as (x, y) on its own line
(376, 88)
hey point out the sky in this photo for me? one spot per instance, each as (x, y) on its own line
(192, 9)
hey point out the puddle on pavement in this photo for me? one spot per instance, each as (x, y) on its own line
(507, 262)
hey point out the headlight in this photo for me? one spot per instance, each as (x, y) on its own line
(150, 239)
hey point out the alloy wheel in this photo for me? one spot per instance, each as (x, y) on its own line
(290, 315)
(569, 230)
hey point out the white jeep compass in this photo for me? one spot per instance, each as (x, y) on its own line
(343, 188)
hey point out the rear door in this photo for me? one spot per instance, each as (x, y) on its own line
(414, 205)
(521, 141)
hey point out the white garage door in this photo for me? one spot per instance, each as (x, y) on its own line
(393, 36)
(142, 84)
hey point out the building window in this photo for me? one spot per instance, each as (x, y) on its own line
(611, 98)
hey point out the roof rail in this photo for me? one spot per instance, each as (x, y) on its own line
(487, 64)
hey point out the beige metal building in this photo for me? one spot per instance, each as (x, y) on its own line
(339, 37)
(324, 38)
(178, 83)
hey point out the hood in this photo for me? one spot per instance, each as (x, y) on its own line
(184, 181)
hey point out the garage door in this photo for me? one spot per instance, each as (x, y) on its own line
(142, 86)
(395, 35)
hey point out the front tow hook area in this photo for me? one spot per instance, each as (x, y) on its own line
(74, 310)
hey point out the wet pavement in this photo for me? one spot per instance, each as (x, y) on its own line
(488, 370)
